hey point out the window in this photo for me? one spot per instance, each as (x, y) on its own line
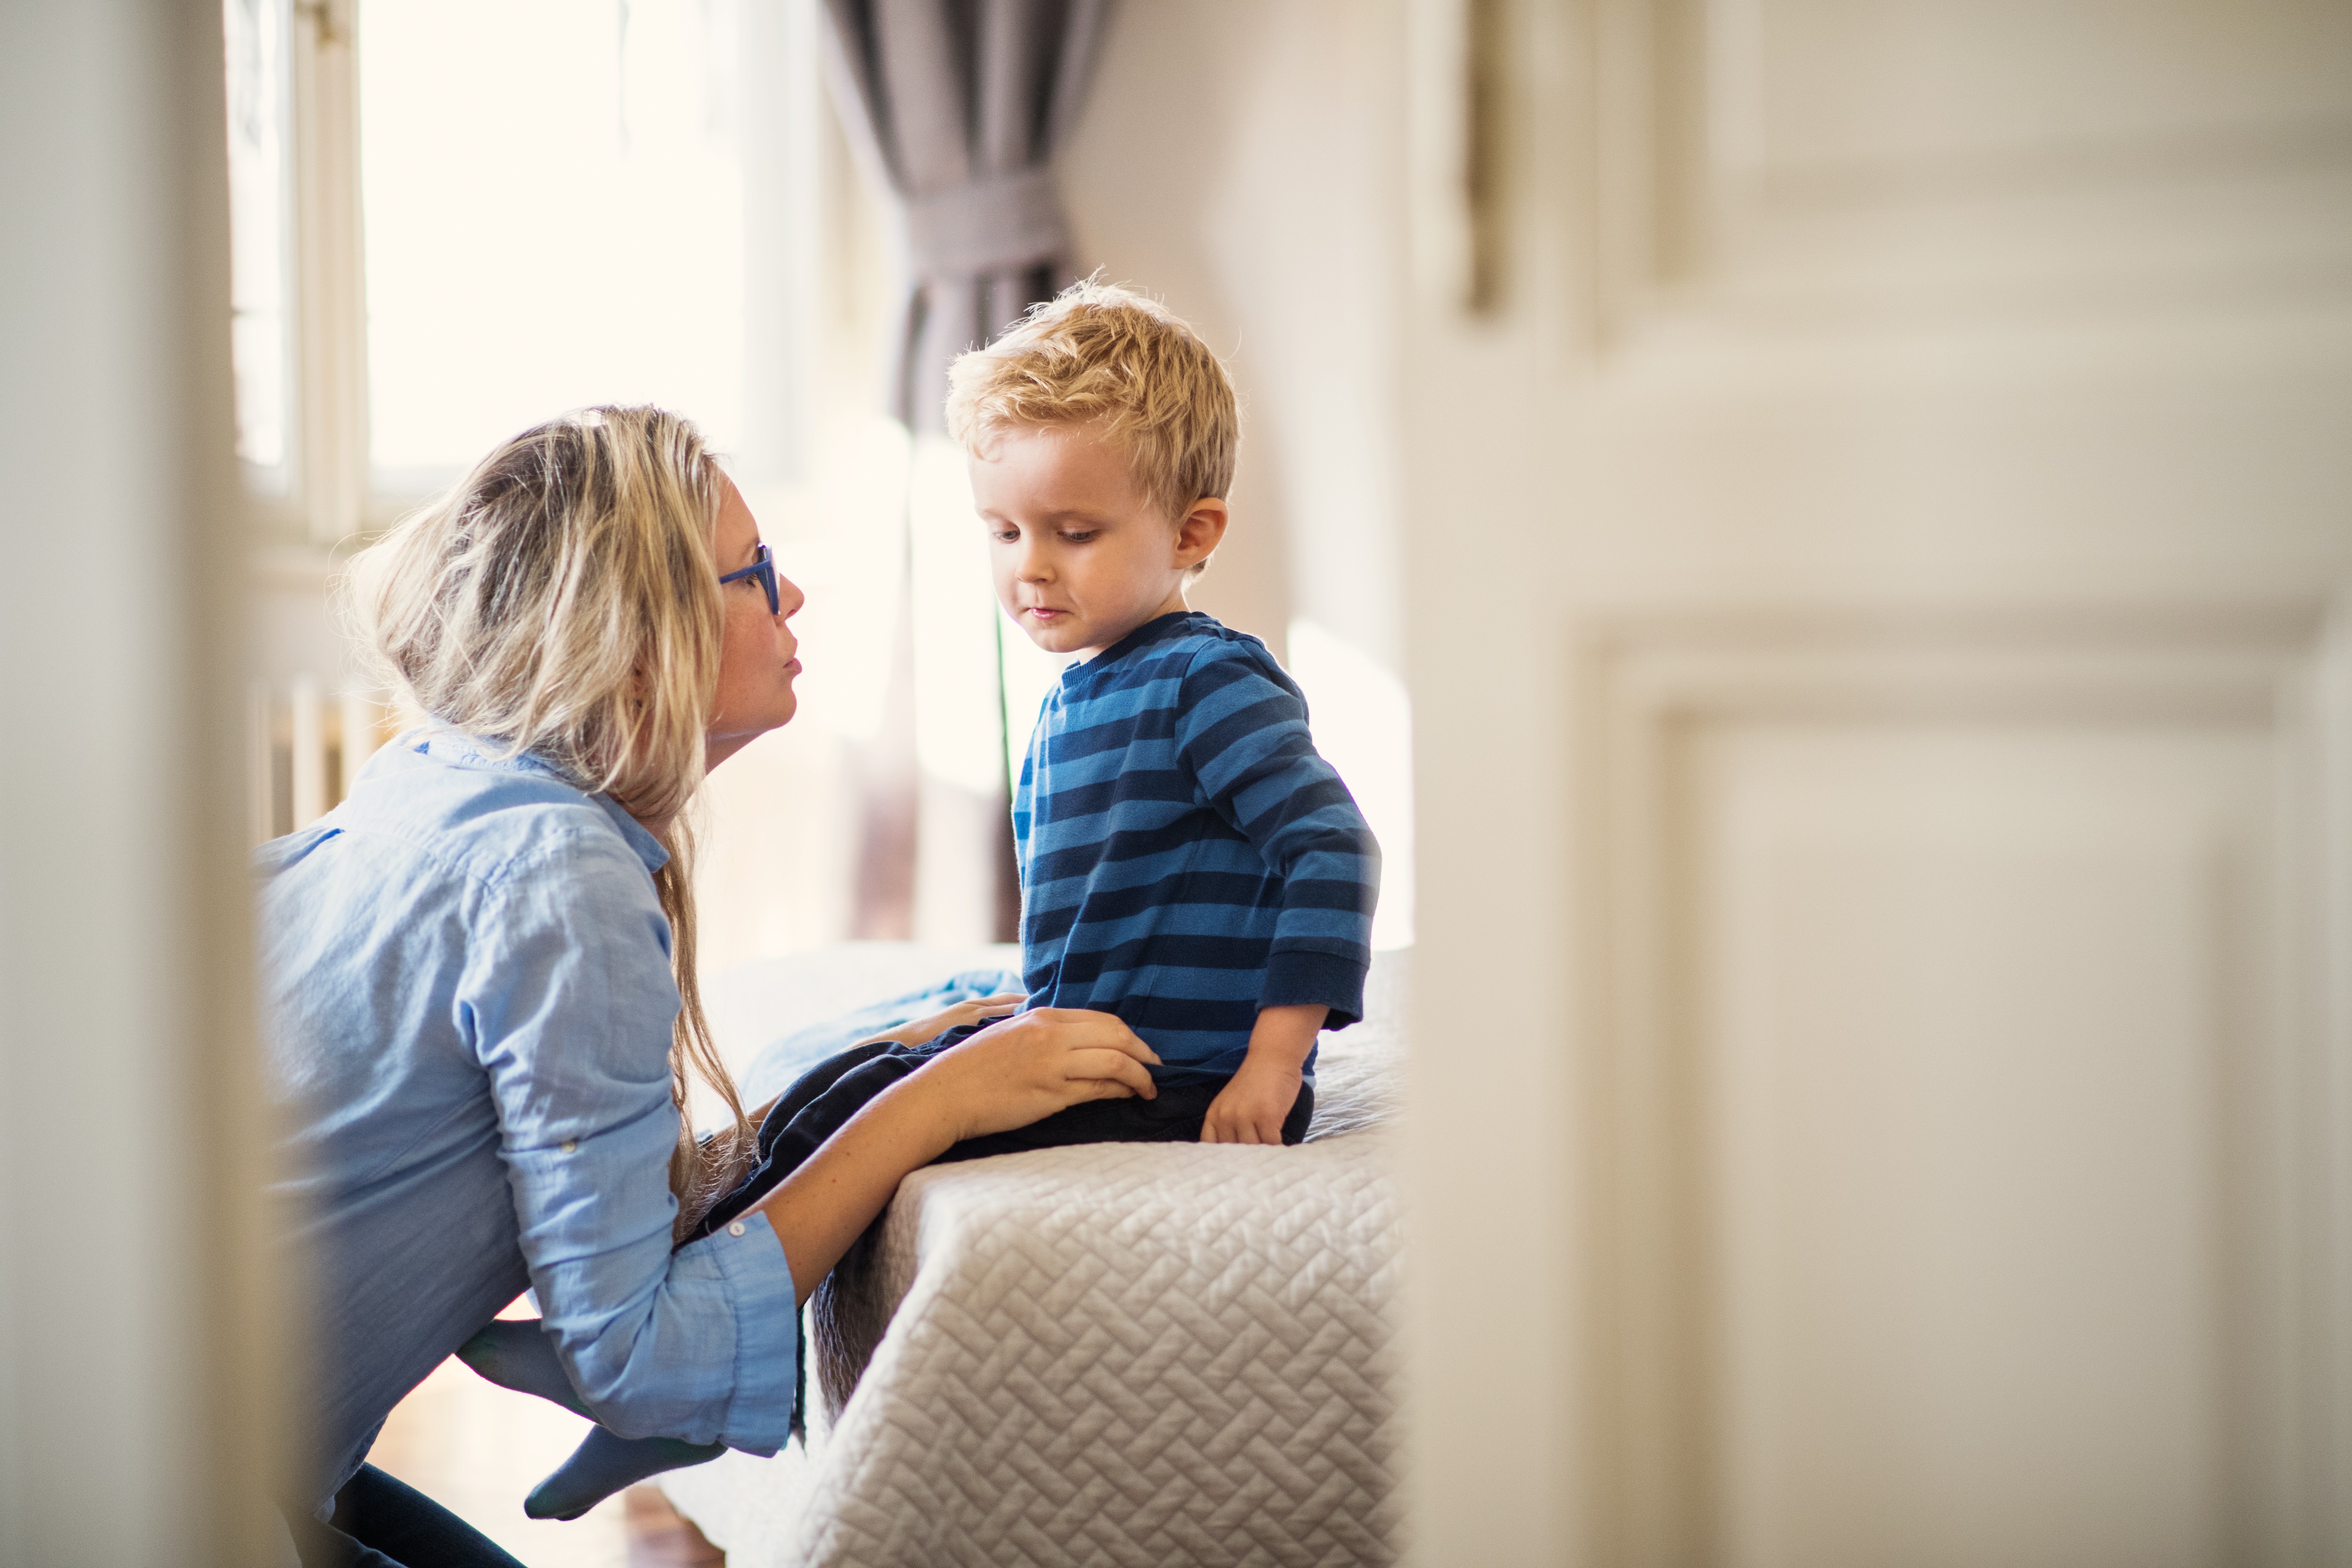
(453, 218)
(555, 209)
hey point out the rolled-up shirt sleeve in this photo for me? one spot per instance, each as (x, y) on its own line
(568, 1010)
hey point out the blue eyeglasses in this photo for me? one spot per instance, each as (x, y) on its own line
(763, 567)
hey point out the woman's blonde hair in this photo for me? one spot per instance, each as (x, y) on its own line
(564, 602)
(1107, 356)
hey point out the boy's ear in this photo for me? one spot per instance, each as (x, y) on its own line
(1200, 531)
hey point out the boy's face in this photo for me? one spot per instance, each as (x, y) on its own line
(1080, 557)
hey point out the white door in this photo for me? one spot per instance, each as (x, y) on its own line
(1885, 748)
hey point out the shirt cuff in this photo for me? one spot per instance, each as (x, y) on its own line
(757, 1281)
(1301, 977)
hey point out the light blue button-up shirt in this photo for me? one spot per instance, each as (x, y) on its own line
(465, 969)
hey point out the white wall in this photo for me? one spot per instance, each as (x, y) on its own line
(1240, 160)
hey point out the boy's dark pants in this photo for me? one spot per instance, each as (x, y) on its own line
(833, 1091)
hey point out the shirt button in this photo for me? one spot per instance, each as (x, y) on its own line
(570, 1145)
(735, 1229)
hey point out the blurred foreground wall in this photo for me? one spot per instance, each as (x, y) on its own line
(136, 1351)
(1877, 631)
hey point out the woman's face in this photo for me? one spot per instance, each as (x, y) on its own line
(755, 660)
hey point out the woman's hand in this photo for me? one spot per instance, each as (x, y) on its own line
(1006, 1076)
(915, 1031)
(1033, 1063)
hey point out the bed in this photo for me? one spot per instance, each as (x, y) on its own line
(1121, 1354)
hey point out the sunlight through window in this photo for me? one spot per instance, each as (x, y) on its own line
(554, 209)
(256, 38)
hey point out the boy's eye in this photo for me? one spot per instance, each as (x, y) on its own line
(1079, 535)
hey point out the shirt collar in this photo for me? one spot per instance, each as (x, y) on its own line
(650, 848)
(1176, 623)
(461, 750)
(446, 745)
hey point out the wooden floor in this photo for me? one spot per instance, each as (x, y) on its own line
(478, 1449)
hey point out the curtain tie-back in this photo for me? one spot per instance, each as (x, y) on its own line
(998, 221)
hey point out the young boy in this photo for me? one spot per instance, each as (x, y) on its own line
(1188, 862)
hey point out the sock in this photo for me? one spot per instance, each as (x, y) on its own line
(514, 1354)
(604, 1464)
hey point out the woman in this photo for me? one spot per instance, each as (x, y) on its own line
(479, 971)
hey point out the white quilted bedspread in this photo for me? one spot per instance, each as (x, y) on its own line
(1114, 1354)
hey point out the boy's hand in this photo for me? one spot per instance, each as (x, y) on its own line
(1253, 1106)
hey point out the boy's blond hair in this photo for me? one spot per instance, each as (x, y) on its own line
(1103, 355)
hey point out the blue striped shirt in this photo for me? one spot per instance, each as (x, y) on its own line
(1186, 858)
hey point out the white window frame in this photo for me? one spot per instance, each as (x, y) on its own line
(323, 501)
(330, 307)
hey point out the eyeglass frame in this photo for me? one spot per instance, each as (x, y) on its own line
(763, 567)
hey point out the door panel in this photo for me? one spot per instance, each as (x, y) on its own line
(1969, 994)
(1880, 643)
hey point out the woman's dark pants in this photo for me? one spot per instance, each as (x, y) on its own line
(380, 1522)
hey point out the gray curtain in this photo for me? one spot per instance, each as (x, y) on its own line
(962, 103)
